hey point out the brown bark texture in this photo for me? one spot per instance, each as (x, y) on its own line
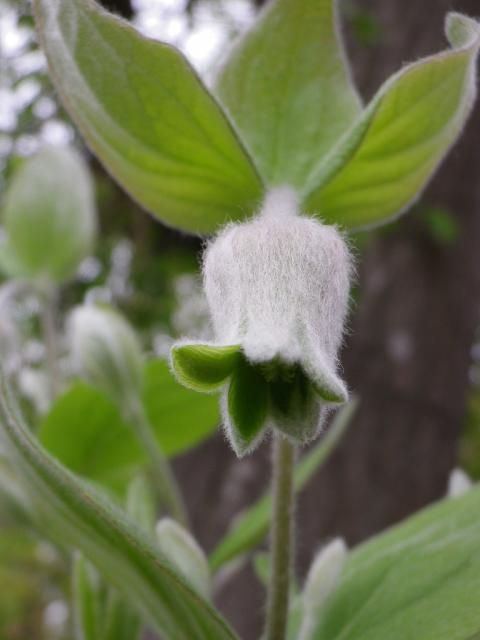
(407, 355)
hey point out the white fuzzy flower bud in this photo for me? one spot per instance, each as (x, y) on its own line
(106, 352)
(185, 554)
(279, 285)
(321, 582)
(278, 288)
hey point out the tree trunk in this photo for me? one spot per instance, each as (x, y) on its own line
(408, 355)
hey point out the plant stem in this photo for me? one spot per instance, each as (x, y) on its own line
(166, 485)
(49, 328)
(281, 539)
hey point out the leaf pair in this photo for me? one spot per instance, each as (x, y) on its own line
(284, 111)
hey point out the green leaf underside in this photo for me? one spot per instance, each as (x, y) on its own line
(204, 367)
(80, 518)
(85, 431)
(251, 527)
(382, 164)
(247, 403)
(287, 87)
(419, 580)
(294, 404)
(146, 114)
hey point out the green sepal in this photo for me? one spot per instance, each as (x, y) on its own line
(382, 164)
(204, 367)
(148, 117)
(247, 406)
(294, 405)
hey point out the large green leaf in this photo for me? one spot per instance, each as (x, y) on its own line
(86, 432)
(78, 517)
(287, 87)
(420, 580)
(252, 526)
(382, 164)
(148, 117)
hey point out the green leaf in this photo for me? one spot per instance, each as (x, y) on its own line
(85, 431)
(147, 116)
(381, 166)
(78, 517)
(204, 367)
(247, 402)
(251, 527)
(49, 216)
(288, 89)
(418, 580)
(86, 600)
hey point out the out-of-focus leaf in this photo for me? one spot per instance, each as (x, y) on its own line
(79, 517)
(146, 114)
(251, 527)
(419, 580)
(86, 432)
(381, 165)
(288, 89)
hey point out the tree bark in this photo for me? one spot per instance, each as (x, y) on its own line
(408, 355)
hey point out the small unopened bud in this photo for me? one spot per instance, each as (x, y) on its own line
(49, 215)
(185, 554)
(106, 352)
(459, 483)
(321, 582)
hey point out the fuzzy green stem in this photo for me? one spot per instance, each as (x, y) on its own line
(168, 490)
(49, 328)
(282, 535)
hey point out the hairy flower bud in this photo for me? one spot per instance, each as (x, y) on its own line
(106, 352)
(277, 287)
(49, 216)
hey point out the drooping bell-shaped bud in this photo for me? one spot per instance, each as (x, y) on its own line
(278, 289)
(185, 554)
(321, 582)
(49, 216)
(106, 352)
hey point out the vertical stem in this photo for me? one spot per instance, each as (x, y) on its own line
(281, 539)
(166, 485)
(48, 319)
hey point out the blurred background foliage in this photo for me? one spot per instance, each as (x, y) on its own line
(151, 273)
